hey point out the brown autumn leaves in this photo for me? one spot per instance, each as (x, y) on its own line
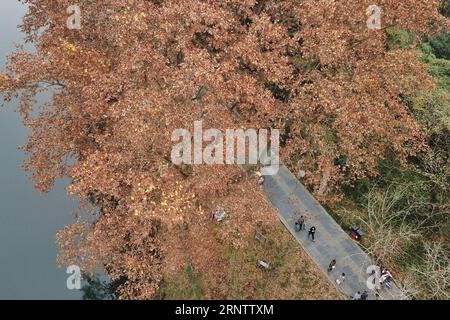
(132, 74)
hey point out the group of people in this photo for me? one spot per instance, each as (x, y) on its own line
(385, 278)
(361, 296)
(341, 279)
(300, 225)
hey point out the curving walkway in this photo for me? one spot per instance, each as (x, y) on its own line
(292, 199)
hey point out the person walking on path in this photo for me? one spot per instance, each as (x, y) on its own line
(300, 224)
(259, 178)
(357, 296)
(332, 265)
(312, 232)
(341, 279)
(364, 296)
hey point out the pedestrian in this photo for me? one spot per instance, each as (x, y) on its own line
(300, 224)
(364, 296)
(332, 265)
(357, 296)
(259, 177)
(341, 279)
(386, 278)
(312, 232)
(261, 180)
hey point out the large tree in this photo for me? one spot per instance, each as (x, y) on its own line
(139, 69)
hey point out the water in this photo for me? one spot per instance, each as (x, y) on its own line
(28, 220)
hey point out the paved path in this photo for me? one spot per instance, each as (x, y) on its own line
(292, 199)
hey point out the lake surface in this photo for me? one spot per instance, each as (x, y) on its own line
(28, 220)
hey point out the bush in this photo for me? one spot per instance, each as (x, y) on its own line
(399, 38)
(432, 109)
(441, 45)
(444, 9)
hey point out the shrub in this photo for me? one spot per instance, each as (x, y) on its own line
(444, 9)
(441, 45)
(399, 38)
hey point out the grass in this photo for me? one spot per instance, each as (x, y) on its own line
(185, 285)
(291, 275)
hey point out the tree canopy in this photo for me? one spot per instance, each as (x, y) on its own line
(139, 69)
